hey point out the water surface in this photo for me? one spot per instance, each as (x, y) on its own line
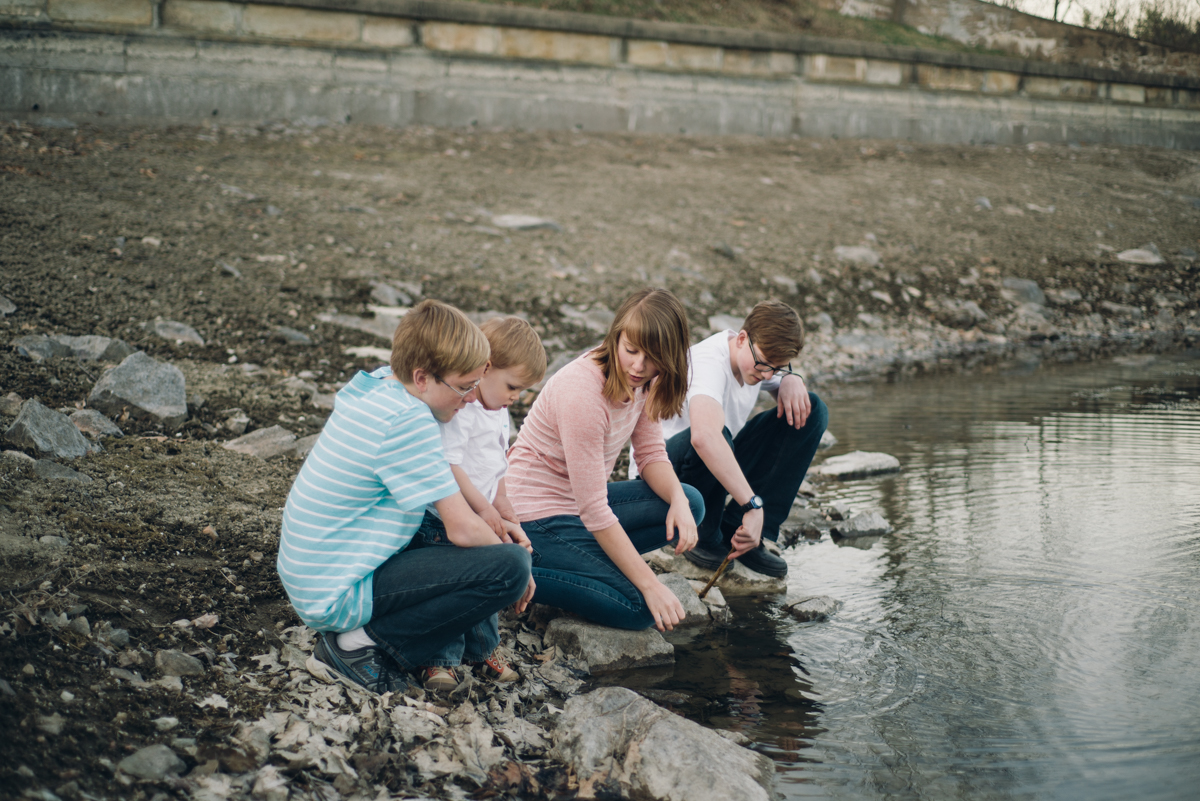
(1030, 629)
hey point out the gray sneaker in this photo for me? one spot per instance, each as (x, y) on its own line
(367, 668)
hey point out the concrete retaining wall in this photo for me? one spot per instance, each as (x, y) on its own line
(403, 62)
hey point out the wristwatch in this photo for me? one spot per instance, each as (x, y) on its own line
(755, 502)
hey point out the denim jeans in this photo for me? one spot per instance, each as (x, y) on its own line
(773, 456)
(438, 605)
(574, 573)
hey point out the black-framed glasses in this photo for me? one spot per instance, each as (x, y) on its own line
(770, 369)
(462, 393)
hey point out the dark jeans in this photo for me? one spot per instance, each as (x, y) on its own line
(573, 572)
(773, 456)
(427, 600)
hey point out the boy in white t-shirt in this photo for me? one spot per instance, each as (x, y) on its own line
(760, 463)
(475, 443)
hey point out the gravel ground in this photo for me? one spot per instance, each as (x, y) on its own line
(904, 259)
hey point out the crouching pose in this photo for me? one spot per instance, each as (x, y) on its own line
(384, 610)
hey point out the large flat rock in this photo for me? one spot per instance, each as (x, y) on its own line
(607, 649)
(618, 742)
(145, 388)
(264, 443)
(856, 464)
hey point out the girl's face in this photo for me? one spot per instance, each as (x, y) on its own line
(500, 388)
(638, 367)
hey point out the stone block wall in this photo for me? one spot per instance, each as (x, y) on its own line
(405, 61)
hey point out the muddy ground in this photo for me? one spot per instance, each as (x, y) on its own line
(237, 231)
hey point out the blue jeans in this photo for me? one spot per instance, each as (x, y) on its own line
(773, 456)
(573, 572)
(439, 605)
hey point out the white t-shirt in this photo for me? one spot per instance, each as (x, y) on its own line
(710, 374)
(476, 440)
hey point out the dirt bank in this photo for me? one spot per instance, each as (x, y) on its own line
(240, 232)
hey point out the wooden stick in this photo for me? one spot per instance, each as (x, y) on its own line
(716, 575)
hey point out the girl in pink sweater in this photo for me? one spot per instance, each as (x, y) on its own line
(588, 534)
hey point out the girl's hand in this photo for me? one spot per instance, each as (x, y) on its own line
(680, 520)
(662, 603)
(514, 533)
(495, 521)
(530, 589)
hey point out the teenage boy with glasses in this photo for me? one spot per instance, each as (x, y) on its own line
(759, 463)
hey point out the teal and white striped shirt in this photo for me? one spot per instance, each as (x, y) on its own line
(359, 499)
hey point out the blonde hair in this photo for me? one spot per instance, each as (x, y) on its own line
(439, 339)
(515, 344)
(776, 330)
(654, 321)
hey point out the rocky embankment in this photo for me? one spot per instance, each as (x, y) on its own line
(178, 308)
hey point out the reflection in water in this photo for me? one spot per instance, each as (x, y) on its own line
(1030, 628)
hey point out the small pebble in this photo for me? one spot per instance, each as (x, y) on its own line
(67, 696)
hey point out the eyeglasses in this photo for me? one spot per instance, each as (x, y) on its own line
(770, 369)
(462, 393)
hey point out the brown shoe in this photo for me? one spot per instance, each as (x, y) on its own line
(438, 678)
(496, 669)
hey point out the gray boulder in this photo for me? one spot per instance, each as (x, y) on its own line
(863, 524)
(39, 347)
(152, 763)
(856, 464)
(812, 608)
(48, 469)
(694, 610)
(607, 649)
(290, 336)
(46, 431)
(94, 424)
(145, 388)
(176, 663)
(736, 580)
(827, 441)
(91, 347)
(1022, 290)
(263, 443)
(7, 307)
(10, 404)
(615, 740)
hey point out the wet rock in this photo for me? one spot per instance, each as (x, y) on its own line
(619, 743)
(736, 580)
(523, 222)
(263, 443)
(857, 255)
(94, 424)
(694, 610)
(827, 441)
(863, 524)
(152, 763)
(1140, 256)
(597, 318)
(10, 404)
(724, 322)
(7, 307)
(290, 336)
(46, 431)
(177, 663)
(143, 387)
(177, 332)
(816, 607)
(607, 649)
(47, 469)
(1022, 290)
(856, 464)
(718, 608)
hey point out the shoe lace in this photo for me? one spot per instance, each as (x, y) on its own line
(383, 681)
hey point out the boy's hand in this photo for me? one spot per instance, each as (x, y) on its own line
(494, 520)
(505, 508)
(748, 534)
(514, 533)
(530, 589)
(793, 401)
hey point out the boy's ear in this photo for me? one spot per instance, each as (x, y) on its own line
(421, 379)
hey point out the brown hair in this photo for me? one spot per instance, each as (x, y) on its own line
(655, 321)
(776, 330)
(439, 339)
(515, 344)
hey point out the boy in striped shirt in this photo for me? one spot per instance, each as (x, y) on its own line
(384, 609)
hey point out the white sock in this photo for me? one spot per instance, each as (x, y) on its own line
(353, 640)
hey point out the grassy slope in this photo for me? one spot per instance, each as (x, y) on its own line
(789, 16)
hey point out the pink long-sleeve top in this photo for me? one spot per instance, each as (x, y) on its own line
(569, 444)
